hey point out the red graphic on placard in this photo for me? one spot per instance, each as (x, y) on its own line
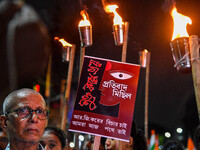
(90, 82)
(117, 85)
(94, 66)
(88, 99)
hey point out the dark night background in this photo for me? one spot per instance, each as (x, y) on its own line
(171, 94)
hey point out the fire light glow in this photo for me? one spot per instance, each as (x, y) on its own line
(146, 51)
(112, 9)
(85, 21)
(64, 43)
(180, 23)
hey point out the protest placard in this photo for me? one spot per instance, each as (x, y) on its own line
(105, 98)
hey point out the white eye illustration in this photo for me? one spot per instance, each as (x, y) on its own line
(121, 75)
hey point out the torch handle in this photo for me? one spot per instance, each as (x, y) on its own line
(48, 83)
(48, 78)
(97, 141)
(68, 87)
(147, 94)
(123, 59)
(62, 99)
(194, 51)
(124, 47)
(82, 54)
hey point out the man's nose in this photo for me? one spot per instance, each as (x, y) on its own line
(33, 117)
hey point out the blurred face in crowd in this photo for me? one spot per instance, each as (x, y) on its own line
(25, 119)
(3, 140)
(50, 141)
(111, 144)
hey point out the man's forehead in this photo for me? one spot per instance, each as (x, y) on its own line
(22, 94)
(28, 99)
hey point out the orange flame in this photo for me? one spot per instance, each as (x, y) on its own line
(117, 19)
(146, 51)
(180, 23)
(64, 43)
(85, 21)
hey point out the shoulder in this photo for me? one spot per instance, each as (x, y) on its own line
(40, 147)
(8, 147)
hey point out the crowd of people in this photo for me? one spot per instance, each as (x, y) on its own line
(24, 120)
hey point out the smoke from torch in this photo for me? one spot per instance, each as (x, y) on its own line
(169, 5)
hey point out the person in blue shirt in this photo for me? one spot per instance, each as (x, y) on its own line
(25, 117)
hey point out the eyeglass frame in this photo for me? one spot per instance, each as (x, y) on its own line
(30, 113)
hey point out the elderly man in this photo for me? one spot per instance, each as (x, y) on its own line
(25, 117)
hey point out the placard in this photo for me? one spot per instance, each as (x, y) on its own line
(105, 98)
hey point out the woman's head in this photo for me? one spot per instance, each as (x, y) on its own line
(53, 139)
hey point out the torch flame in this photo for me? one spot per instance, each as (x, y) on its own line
(85, 21)
(64, 43)
(180, 23)
(146, 51)
(117, 19)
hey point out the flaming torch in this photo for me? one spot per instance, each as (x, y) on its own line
(85, 30)
(67, 47)
(185, 51)
(68, 54)
(180, 42)
(144, 61)
(118, 24)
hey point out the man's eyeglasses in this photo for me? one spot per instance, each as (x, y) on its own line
(26, 112)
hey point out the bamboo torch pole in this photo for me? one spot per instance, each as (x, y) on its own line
(68, 87)
(145, 63)
(123, 59)
(97, 140)
(48, 83)
(62, 99)
(124, 47)
(147, 94)
(82, 54)
(195, 61)
(48, 80)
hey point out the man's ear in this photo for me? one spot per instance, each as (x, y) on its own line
(3, 124)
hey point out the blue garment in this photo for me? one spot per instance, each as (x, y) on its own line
(40, 147)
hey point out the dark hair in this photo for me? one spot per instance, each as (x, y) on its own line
(59, 133)
(173, 145)
(139, 141)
